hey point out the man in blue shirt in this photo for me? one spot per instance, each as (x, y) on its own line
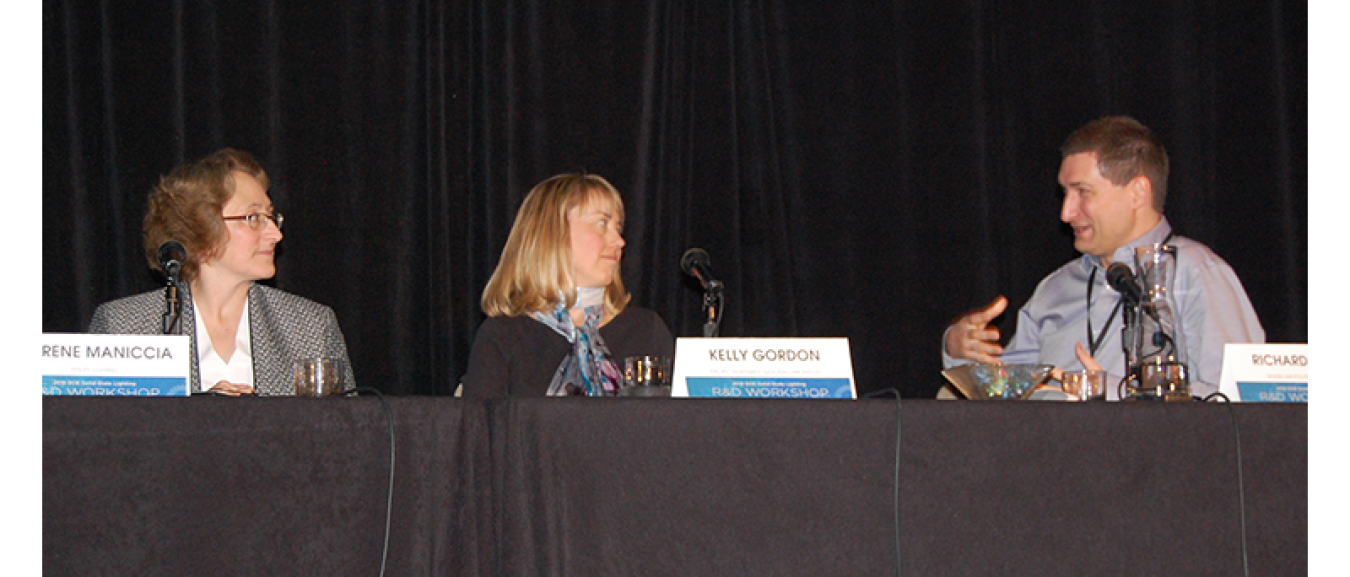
(1114, 177)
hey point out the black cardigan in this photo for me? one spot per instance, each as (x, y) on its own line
(517, 356)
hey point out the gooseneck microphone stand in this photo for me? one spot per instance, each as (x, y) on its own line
(171, 320)
(712, 308)
(1131, 325)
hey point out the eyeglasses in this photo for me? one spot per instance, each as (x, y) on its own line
(258, 220)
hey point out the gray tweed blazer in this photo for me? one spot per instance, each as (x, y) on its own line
(283, 327)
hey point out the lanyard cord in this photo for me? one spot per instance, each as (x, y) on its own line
(1094, 344)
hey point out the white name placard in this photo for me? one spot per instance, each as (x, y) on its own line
(1265, 373)
(114, 365)
(763, 368)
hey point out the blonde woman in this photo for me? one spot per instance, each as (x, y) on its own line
(558, 321)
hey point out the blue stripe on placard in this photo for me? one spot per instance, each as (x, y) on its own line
(1273, 392)
(754, 388)
(83, 386)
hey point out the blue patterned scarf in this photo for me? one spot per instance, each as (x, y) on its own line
(588, 370)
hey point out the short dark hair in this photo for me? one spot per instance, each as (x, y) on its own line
(1124, 149)
(186, 206)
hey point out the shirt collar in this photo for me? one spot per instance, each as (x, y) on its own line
(242, 335)
(1125, 253)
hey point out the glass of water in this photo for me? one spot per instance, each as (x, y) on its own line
(1084, 385)
(318, 377)
(646, 377)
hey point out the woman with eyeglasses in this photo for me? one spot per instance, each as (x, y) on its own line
(559, 323)
(245, 335)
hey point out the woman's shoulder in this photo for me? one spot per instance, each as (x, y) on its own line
(638, 316)
(286, 300)
(507, 326)
(138, 313)
(639, 331)
(637, 320)
(138, 300)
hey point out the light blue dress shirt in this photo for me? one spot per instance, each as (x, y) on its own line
(1213, 306)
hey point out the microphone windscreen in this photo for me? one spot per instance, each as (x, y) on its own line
(692, 258)
(171, 256)
(1120, 277)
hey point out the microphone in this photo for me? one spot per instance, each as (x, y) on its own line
(695, 263)
(171, 256)
(1121, 278)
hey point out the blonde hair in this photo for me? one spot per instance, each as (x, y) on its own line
(535, 270)
(186, 206)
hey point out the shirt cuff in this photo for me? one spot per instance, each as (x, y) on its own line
(949, 361)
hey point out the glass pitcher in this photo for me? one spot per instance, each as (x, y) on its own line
(1158, 349)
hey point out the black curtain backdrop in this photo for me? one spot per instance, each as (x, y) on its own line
(855, 169)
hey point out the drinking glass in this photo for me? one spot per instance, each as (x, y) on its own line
(318, 377)
(646, 376)
(1084, 385)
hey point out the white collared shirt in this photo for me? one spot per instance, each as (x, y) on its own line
(214, 369)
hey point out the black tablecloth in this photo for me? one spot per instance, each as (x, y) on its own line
(671, 487)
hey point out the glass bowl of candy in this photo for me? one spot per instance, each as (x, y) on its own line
(981, 381)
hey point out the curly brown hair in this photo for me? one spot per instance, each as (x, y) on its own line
(186, 206)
